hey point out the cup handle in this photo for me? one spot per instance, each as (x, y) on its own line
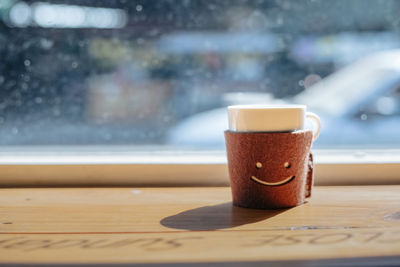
(316, 121)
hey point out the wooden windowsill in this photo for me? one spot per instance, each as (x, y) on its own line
(171, 225)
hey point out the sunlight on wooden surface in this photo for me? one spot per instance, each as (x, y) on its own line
(150, 225)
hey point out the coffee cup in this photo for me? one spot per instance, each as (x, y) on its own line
(271, 118)
(269, 159)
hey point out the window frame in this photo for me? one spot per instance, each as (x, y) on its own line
(129, 166)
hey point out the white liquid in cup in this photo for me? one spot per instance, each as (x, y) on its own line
(271, 118)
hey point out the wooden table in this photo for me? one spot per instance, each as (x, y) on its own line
(196, 225)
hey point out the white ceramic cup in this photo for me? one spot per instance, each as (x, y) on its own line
(271, 118)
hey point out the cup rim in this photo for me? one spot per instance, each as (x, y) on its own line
(266, 106)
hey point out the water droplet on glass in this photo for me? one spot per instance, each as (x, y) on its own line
(153, 32)
(211, 7)
(38, 100)
(24, 87)
(311, 79)
(27, 62)
(81, 43)
(46, 43)
(140, 41)
(56, 112)
(364, 117)
(386, 105)
(139, 8)
(166, 118)
(107, 136)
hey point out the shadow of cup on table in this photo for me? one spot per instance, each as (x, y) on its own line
(221, 216)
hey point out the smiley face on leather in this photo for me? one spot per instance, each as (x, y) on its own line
(273, 181)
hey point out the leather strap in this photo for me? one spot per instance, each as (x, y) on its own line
(310, 176)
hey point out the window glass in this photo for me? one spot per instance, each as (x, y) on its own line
(161, 72)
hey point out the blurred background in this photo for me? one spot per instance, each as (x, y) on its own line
(161, 72)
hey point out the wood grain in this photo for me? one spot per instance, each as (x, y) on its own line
(150, 225)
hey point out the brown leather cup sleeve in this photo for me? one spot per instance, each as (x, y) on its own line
(269, 170)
